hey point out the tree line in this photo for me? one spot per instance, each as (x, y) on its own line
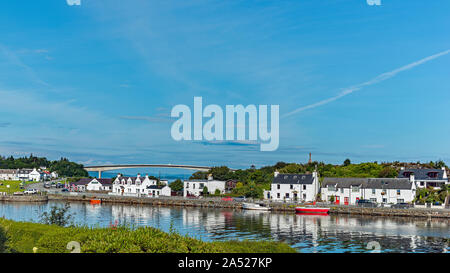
(63, 166)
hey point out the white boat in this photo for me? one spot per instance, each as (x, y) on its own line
(254, 206)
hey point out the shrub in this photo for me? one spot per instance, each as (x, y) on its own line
(23, 237)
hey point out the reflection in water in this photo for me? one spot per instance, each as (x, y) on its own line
(307, 233)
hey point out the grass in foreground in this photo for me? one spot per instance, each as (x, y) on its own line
(24, 236)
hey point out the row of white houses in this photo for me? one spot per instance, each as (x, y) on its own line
(306, 187)
(123, 186)
(26, 174)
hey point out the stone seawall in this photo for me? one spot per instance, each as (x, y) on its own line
(24, 198)
(276, 207)
(178, 202)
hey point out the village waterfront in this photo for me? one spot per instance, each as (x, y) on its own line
(306, 233)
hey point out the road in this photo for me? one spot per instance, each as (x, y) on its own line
(40, 186)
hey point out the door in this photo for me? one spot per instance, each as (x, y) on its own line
(337, 200)
(346, 201)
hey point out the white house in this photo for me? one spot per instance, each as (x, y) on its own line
(196, 187)
(24, 174)
(99, 184)
(139, 186)
(347, 191)
(35, 175)
(424, 178)
(294, 187)
(8, 174)
(91, 184)
(54, 175)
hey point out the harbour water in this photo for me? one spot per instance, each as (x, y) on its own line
(306, 233)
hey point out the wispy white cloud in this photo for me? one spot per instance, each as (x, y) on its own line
(379, 78)
(15, 60)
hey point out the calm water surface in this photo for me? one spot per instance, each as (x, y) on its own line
(306, 233)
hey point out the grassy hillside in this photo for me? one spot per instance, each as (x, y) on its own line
(24, 236)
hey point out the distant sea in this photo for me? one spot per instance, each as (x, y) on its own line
(165, 174)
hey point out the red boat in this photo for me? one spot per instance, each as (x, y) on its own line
(312, 210)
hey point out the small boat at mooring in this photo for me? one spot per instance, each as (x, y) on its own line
(255, 206)
(312, 210)
(96, 201)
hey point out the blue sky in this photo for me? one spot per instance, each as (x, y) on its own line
(96, 82)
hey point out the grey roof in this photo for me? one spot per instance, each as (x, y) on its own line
(24, 171)
(422, 174)
(8, 171)
(105, 181)
(344, 182)
(82, 181)
(133, 179)
(292, 178)
(369, 183)
(85, 181)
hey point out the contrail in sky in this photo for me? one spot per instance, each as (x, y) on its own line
(379, 78)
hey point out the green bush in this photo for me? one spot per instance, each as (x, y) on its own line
(24, 236)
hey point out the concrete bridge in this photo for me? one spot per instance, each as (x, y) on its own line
(101, 169)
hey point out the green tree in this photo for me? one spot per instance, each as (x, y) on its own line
(388, 172)
(58, 216)
(217, 192)
(347, 162)
(176, 185)
(205, 191)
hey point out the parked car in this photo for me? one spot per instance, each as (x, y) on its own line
(59, 185)
(64, 190)
(18, 193)
(402, 206)
(228, 198)
(366, 203)
(30, 191)
(240, 199)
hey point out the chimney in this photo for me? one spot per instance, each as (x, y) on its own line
(412, 178)
(276, 173)
(210, 177)
(138, 175)
(310, 160)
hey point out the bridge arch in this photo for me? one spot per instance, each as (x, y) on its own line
(103, 168)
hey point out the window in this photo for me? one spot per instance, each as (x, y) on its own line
(287, 195)
(292, 186)
(355, 189)
(342, 190)
(421, 183)
(398, 192)
(278, 195)
(373, 191)
(187, 185)
(304, 187)
(331, 188)
(278, 186)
